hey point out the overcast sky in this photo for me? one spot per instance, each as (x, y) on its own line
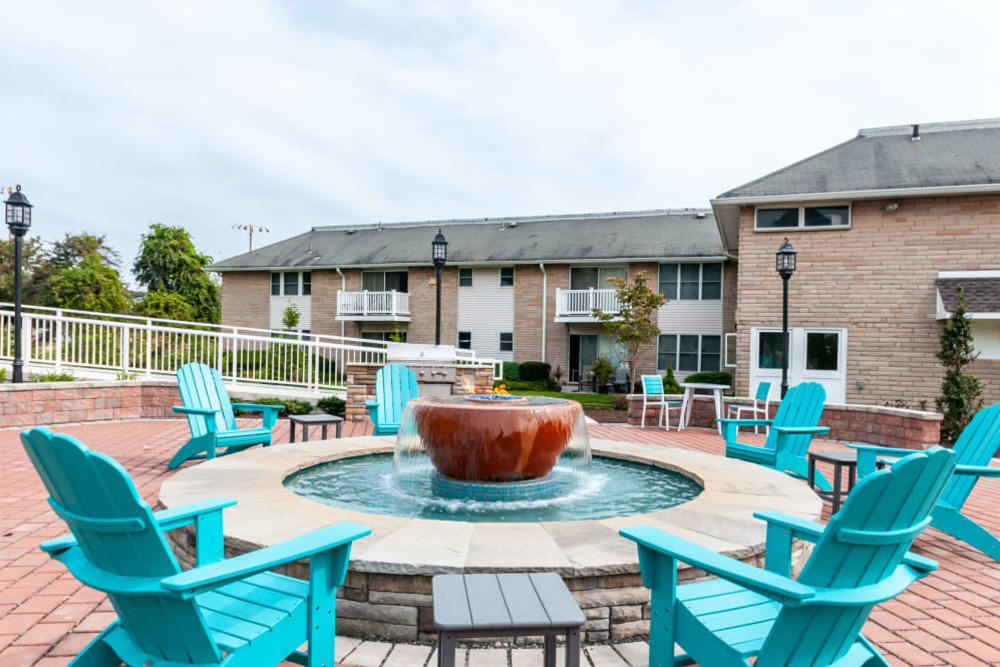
(293, 114)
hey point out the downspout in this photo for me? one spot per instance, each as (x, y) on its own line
(545, 284)
(343, 288)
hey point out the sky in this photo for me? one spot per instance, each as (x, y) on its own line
(298, 113)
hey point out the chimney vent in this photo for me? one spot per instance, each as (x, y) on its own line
(916, 132)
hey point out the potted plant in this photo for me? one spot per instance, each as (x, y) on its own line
(603, 372)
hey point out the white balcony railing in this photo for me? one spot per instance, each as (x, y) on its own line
(580, 303)
(390, 305)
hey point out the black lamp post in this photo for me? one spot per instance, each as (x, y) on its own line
(18, 221)
(439, 253)
(785, 265)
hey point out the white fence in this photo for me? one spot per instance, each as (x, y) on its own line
(365, 304)
(61, 340)
(582, 302)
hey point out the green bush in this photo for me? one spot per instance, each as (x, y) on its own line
(3, 374)
(514, 386)
(332, 405)
(535, 370)
(619, 402)
(53, 377)
(711, 377)
(603, 372)
(670, 385)
(293, 406)
(511, 370)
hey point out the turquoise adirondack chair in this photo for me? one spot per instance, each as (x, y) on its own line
(791, 431)
(210, 417)
(226, 612)
(860, 559)
(395, 385)
(974, 448)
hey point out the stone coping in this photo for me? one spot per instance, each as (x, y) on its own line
(87, 384)
(851, 407)
(720, 518)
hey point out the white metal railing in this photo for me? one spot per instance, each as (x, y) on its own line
(581, 302)
(393, 304)
(66, 339)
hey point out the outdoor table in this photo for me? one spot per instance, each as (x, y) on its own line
(308, 420)
(839, 460)
(506, 605)
(689, 388)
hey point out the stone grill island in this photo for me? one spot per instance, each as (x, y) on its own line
(489, 484)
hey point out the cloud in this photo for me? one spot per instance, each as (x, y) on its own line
(293, 114)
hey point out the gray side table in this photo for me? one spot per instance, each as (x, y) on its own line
(310, 420)
(506, 605)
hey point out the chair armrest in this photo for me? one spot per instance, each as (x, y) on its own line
(371, 404)
(978, 471)
(196, 411)
(178, 517)
(216, 574)
(868, 455)
(800, 528)
(746, 422)
(257, 407)
(767, 583)
(802, 430)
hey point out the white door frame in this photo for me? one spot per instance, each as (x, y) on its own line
(835, 382)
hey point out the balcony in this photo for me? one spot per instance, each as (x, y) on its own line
(577, 305)
(373, 306)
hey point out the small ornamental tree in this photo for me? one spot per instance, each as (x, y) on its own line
(634, 325)
(961, 393)
(291, 316)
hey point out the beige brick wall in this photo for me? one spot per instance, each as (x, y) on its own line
(245, 296)
(647, 357)
(423, 307)
(528, 313)
(556, 333)
(877, 280)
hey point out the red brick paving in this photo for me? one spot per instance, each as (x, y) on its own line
(46, 616)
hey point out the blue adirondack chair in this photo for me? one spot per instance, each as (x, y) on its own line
(974, 448)
(860, 559)
(395, 385)
(230, 612)
(210, 417)
(789, 435)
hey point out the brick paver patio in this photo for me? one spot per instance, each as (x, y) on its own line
(46, 616)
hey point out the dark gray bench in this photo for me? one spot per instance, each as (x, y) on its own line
(506, 605)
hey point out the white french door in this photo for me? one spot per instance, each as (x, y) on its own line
(818, 354)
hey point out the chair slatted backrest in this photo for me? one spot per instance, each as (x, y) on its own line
(862, 545)
(652, 385)
(763, 389)
(116, 533)
(395, 385)
(801, 406)
(201, 387)
(975, 447)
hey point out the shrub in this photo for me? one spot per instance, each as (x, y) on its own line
(961, 393)
(511, 370)
(523, 385)
(670, 385)
(603, 372)
(53, 377)
(711, 377)
(3, 374)
(332, 405)
(293, 406)
(535, 370)
(619, 402)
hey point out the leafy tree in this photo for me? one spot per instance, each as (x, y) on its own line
(291, 316)
(634, 325)
(73, 248)
(165, 305)
(32, 259)
(169, 261)
(961, 393)
(90, 284)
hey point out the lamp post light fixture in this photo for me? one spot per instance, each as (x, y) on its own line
(439, 254)
(18, 210)
(785, 265)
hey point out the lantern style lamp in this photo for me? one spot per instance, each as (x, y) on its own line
(18, 214)
(439, 255)
(784, 264)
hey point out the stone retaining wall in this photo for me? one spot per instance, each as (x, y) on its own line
(41, 403)
(361, 385)
(872, 424)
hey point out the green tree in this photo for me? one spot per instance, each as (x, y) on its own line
(165, 305)
(73, 248)
(291, 316)
(90, 284)
(961, 393)
(634, 325)
(33, 257)
(169, 261)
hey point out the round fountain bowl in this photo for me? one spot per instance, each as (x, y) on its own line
(495, 440)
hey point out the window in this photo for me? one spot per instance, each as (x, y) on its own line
(465, 278)
(507, 342)
(770, 349)
(292, 283)
(595, 277)
(731, 342)
(465, 340)
(691, 282)
(306, 283)
(386, 336)
(822, 351)
(384, 281)
(836, 215)
(507, 276)
(689, 352)
(275, 284)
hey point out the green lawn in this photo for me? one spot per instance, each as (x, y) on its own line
(589, 401)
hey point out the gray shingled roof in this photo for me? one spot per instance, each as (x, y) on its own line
(879, 161)
(590, 237)
(982, 295)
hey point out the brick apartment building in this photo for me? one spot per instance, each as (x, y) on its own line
(517, 289)
(886, 225)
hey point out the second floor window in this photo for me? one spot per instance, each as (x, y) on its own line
(595, 277)
(507, 276)
(691, 282)
(837, 215)
(291, 283)
(465, 277)
(507, 342)
(465, 340)
(385, 281)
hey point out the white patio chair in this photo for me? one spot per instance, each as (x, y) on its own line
(755, 411)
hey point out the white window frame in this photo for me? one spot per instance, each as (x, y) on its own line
(677, 350)
(500, 277)
(472, 277)
(600, 283)
(701, 279)
(729, 363)
(500, 336)
(802, 217)
(281, 283)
